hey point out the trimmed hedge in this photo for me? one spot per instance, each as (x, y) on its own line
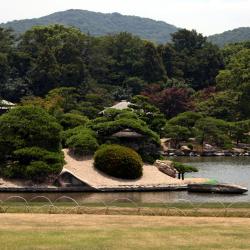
(40, 170)
(118, 161)
(26, 155)
(36, 164)
(75, 131)
(71, 120)
(80, 140)
(83, 143)
(29, 134)
(28, 126)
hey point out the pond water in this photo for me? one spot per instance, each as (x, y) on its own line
(235, 170)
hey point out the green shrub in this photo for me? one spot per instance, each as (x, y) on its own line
(29, 134)
(39, 170)
(71, 120)
(26, 155)
(28, 126)
(176, 133)
(149, 151)
(118, 161)
(13, 170)
(74, 131)
(183, 168)
(186, 119)
(36, 164)
(83, 143)
(148, 158)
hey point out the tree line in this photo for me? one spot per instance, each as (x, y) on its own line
(47, 57)
(65, 71)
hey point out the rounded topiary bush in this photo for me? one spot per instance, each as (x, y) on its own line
(118, 161)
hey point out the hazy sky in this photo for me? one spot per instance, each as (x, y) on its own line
(206, 16)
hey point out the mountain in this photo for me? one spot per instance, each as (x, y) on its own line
(99, 24)
(231, 36)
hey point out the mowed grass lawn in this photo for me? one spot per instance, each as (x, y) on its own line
(61, 231)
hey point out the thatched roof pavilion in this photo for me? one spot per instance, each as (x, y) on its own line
(120, 106)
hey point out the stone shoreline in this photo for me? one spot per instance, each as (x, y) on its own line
(81, 176)
(91, 189)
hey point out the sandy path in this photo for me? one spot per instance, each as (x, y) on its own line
(84, 170)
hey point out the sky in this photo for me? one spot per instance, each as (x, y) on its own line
(206, 16)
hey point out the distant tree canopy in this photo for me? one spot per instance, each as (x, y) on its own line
(236, 76)
(222, 105)
(172, 86)
(6, 43)
(214, 131)
(171, 101)
(192, 58)
(48, 57)
(57, 57)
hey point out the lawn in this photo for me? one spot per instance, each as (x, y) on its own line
(112, 232)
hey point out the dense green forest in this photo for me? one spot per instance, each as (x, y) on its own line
(62, 79)
(187, 74)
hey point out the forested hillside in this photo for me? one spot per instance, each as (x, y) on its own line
(231, 36)
(99, 24)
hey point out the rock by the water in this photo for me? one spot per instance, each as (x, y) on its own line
(238, 150)
(166, 167)
(185, 148)
(208, 146)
